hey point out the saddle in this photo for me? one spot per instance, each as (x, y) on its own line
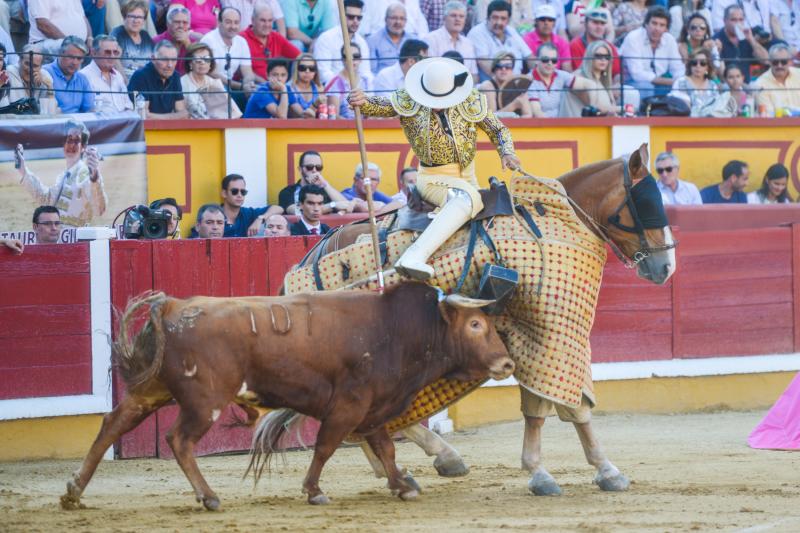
(416, 215)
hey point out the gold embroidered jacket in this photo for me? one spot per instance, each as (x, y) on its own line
(427, 136)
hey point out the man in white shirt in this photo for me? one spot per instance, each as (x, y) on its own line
(52, 20)
(328, 46)
(674, 191)
(225, 40)
(786, 13)
(449, 37)
(374, 10)
(112, 91)
(392, 78)
(652, 60)
(494, 36)
(756, 13)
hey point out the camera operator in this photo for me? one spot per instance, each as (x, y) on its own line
(176, 214)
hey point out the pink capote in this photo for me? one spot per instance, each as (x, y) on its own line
(780, 429)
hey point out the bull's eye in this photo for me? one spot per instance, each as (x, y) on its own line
(475, 324)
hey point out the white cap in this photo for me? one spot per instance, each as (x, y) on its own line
(545, 11)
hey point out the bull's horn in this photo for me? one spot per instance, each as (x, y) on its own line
(456, 300)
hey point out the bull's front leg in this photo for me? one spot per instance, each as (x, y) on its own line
(381, 444)
(448, 462)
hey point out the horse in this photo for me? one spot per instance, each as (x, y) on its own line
(615, 203)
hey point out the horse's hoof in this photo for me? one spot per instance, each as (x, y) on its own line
(411, 482)
(71, 501)
(409, 495)
(451, 467)
(319, 499)
(211, 503)
(543, 484)
(616, 483)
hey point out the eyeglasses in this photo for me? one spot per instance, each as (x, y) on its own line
(779, 62)
(603, 57)
(310, 168)
(545, 19)
(698, 63)
(694, 27)
(235, 192)
(552, 60)
(306, 68)
(202, 59)
(665, 170)
(135, 17)
(504, 66)
(396, 19)
(354, 17)
(50, 223)
(115, 53)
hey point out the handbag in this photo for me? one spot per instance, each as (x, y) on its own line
(23, 106)
(722, 106)
(662, 105)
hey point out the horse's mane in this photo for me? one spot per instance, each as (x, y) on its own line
(583, 171)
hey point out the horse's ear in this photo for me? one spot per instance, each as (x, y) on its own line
(638, 162)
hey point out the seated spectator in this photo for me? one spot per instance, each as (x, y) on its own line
(358, 191)
(773, 188)
(15, 245)
(271, 99)
(502, 73)
(210, 222)
(408, 180)
(170, 205)
(105, 79)
(779, 87)
(786, 23)
(434, 12)
(449, 36)
(576, 17)
(596, 70)
(310, 168)
(205, 96)
(681, 11)
(231, 52)
(73, 91)
(674, 191)
(376, 18)
(160, 84)
(522, 13)
(135, 43)
(493, 36)
(385, 43)
(307, 19)
(5, 84)
(628, 16)
(276, 226)
(312, 198)
(305, 91)
(755, 12)
(247, 7)
(203, 15)
(8, 45)
(742, 50)
(549, 84)
(696, 35)
(544, 32)
(697, 87)
(51, 21)
(394, 77)
(738, 90)
(20, 85)
(242, 221)
(264, 43)
(47, 224)
(178, 20)
(731, 190)
(114, 17)
(338, 87)
(596, 23)
(328, 45)
(652, 60)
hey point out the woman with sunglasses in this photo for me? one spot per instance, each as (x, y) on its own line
(205, 96)
(305, 91)
(774, 187)
(596, 70)
(696, 35)
(338, 87)
(5, 84)
(697, 87)
(135, 43)
(493, 88)
(550, 85)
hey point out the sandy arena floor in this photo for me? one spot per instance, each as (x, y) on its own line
(689, 472)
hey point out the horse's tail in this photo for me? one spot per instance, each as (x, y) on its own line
(269, 432)
(139, 358)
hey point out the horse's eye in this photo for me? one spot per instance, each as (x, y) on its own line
(475, 324)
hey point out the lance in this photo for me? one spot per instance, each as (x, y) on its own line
(354, 79)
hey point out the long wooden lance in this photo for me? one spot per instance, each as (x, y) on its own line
(354, 80)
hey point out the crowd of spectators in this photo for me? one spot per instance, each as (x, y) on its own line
(171, 59)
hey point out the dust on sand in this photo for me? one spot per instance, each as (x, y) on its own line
(688, 472)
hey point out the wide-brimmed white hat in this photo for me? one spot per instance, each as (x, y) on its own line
(438, 82)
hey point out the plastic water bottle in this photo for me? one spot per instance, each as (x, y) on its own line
(141, 103)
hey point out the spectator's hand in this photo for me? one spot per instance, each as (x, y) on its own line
(709, 44)
(718, 44)
(252, 231)
(3, 77)
(276, 85)
(93, 162)
(748, 33)
(250, 86)
(99, 3)
(357, 98)
(310, 112)
(347, 207)
(510, 161)
(14, 244)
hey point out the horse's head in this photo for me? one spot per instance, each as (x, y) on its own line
(634, 219)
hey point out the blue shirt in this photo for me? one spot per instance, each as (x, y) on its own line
(384, 51)
(296, 97)
(161, 94)
(257, 105)
(350, 193)
(74, 95)
(245, 218)
(711, 195)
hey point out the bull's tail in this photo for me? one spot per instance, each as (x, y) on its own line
(268, 434)
(139, 358)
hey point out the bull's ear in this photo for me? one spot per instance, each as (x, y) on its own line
(448, 312)
(457, 300)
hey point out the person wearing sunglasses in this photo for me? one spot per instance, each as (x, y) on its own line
(328, 46)
(305, 91)
(550, 85)
(242, 221)
(105, 78)
(697, 87)
(310, 168)
(696, 34)
(597, 27)
(271, 100)
(339, 86)
(602, 91)
(503, 72)
(779, 87)
(46, 224)
(205, 96)
(544, 31)
(674, 191)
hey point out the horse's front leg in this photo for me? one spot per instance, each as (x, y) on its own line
(448, 462)
(608, 476)
(541, 482)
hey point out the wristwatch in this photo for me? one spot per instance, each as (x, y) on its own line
(332, 205)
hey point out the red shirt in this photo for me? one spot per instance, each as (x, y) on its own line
(180, 66)
(277, 46)
(577, 47)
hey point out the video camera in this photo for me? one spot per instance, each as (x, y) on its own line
(142, 222)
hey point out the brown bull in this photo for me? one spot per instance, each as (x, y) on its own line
(338, 357)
